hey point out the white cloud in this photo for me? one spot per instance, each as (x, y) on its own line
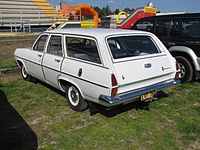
(111, 1)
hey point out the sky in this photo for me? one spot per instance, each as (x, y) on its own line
(190, 6)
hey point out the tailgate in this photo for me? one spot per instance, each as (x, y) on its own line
(140, 61)
(138, 73)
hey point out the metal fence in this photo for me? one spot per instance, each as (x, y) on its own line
(21, 21)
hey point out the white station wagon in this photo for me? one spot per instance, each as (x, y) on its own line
(105, 66)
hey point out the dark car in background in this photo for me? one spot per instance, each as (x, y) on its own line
(180, 33)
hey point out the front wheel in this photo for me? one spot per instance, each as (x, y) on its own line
(75, 100)
(186, 69)
(24, 73)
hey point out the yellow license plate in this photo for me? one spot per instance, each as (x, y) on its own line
(147, 96)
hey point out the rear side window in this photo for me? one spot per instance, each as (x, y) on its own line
(82, 48)
(174, 29)
(146, 25)
(40, 44)
(162, 28)
(190, 29)
(131, 46)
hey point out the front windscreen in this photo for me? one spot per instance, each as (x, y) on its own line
(130, 46)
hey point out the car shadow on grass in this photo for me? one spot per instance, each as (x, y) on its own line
(114, 111)
(15, 133)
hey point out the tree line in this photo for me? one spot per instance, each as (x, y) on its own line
(105, 11)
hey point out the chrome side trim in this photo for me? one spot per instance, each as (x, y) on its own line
(133, 95)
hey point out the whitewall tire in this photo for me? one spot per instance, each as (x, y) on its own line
(75, 100)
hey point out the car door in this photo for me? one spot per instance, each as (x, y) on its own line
(35, 57)
(53, 59)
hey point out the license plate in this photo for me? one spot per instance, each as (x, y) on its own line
(147, 96)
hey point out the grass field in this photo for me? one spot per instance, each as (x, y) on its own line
(171, 122)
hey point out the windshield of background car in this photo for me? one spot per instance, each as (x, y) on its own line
(130, 46)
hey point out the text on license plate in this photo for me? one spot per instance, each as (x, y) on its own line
(147, 96)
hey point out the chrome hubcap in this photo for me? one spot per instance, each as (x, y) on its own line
(182, 70)
(73, 96)
(24, 73)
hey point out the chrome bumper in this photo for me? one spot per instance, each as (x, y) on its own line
(134, 95)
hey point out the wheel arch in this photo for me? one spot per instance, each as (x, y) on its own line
(63, 81)
(20, 62)
(187, 53)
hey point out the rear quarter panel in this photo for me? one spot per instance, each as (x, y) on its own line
(94, 81)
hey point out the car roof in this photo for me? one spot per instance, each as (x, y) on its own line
(94, 32)
(184, 15)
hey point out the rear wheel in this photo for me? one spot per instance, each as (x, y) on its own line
(186, 69)
(75, 100)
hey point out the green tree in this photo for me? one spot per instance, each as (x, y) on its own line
(116, 11)
(106, 11)
(128, 10)
(98, 10)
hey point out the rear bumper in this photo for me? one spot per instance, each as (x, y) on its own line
(134, 95)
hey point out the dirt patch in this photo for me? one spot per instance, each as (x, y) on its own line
(9, 45)
(7, 48)
(7, 77)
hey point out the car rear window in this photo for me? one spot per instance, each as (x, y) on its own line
(131, 46)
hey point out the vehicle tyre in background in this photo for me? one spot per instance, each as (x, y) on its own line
(74, 99)
(186, 69)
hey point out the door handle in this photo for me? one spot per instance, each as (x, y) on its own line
(80, 72)
(148, 65)
(57, 60)
(39, 55)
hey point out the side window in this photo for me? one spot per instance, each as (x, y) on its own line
(40, 44)
(146, 25)
(190, 29)
(81, 48)
(162, 28)
(55, 45)
(174, 29)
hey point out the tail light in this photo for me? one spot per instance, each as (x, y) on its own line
(114, 85)
(178, 71)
